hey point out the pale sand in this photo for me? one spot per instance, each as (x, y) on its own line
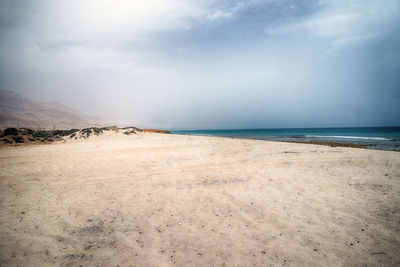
(161, 200)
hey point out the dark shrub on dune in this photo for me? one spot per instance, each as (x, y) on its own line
(133, 128)
(130, 132)
(10, 131)
(26, 131)
(86, 131)
(65, 132)
(18, 139)
(5, 140)
(42, 134)
(95, 130)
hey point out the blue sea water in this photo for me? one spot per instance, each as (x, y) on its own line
(384, 138)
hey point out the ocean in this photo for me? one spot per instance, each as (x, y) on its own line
(383, 138)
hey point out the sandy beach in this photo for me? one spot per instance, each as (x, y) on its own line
(152, 199)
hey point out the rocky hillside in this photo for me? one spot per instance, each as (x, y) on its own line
(16, 109)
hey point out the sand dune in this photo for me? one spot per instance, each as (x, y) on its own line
(153, 199)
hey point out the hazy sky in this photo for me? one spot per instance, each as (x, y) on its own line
(208, 64)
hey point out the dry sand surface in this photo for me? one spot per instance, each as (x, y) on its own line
(153, 199)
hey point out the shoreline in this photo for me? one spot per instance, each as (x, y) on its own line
(330, 144)
(379, 138)
(26, 136)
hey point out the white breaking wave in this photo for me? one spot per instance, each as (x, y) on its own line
(350, 137)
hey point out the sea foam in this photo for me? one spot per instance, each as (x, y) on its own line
(349, 137)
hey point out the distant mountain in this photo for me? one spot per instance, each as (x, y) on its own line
(29, 113)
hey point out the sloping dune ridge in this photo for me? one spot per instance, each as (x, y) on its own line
(151, 199)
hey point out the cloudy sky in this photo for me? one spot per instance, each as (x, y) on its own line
(208, 64)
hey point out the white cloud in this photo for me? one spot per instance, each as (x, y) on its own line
(322, 25)
(219, 14)
(331, 25)
(107, 37)
(95, 34)
(137, 15)
(228, 13)
(343, 24)
(88, 22)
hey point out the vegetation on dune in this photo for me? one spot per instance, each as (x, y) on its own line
(26, 131)
(64, 132)
(88, 131)
(130, 132)
(133, 129)
(18, 139)
(10, 131)
(94, 130)
(26, 135)
(42, 134)
(7, 141)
